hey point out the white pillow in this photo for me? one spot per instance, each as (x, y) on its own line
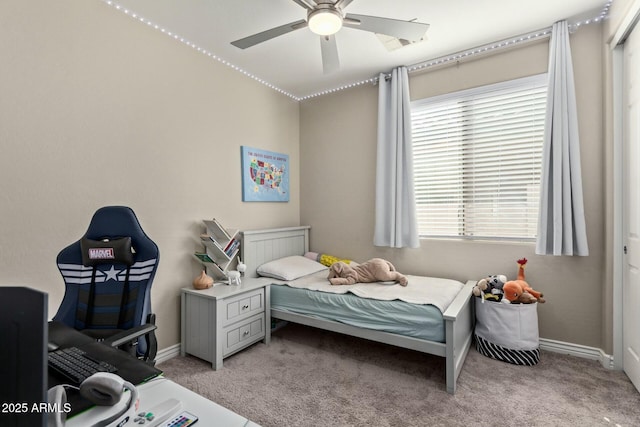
(290, 268)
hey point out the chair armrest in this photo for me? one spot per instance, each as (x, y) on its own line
(129, 335)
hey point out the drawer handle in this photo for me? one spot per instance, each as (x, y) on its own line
(246, 333)
(244, 307)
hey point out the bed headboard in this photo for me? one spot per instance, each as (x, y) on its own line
(260, 246)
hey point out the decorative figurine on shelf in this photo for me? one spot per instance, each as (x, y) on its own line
(242, 267)
(234, 277)
(203, 281)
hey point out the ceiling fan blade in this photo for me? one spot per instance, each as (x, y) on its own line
(342, 3)
(412, 31)
(307, 4)
(329, 48)
(269, 34)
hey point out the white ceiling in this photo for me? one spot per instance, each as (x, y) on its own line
(292, 62)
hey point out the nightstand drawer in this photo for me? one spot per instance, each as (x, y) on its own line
(239, 335)
(243, 306)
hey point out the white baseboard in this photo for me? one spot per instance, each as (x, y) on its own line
(168, 353)
(578, 350)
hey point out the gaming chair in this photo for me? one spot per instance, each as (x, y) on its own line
(108, 275)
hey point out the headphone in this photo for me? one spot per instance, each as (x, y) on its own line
(103, 389)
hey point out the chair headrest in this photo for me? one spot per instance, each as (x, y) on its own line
(115, 222)
(113, 228)
(106, 251)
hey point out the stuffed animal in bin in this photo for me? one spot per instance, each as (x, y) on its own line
(374, 270)
(490, 287)
(519, 291)
(480, 287)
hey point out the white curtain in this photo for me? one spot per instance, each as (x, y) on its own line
(561, 223)
(396, 224)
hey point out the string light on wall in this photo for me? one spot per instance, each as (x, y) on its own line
(197, 48)
(456, 57)
(603, 14)
(453, 58)
(443, 60)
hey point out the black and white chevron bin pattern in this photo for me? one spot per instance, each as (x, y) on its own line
(517, 357)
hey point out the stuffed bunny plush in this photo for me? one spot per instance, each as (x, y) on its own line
(374, 270)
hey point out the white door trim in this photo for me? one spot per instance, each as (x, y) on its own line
(618, 239)
(626, 25)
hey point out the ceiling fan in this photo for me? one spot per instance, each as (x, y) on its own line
(326, 18)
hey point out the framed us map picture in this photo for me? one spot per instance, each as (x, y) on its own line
(265, 175)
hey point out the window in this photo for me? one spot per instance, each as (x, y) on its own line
(477, 159)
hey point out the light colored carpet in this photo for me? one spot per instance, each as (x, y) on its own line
(310, 377)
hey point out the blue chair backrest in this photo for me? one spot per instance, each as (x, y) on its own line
(102, 306)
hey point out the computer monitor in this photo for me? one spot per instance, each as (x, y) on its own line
(23, 356)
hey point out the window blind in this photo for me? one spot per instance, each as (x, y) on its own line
(477, 159)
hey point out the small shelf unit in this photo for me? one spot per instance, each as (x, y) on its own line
(221, 247)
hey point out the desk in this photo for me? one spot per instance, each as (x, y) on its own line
(129, 368)
(161, 389)
(152, 387)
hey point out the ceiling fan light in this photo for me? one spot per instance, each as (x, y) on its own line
(325, 22)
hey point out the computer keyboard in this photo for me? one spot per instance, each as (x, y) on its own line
(75, 365)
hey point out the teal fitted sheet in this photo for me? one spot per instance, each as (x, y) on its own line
(423, 321)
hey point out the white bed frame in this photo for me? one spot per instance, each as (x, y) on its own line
(260, 246)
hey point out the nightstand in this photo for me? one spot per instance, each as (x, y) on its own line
(224, 319)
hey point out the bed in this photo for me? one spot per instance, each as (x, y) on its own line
(419, 327)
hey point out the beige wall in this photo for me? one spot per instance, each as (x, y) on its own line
(95, 110)
(338, 151)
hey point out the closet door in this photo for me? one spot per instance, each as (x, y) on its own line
(631, 212)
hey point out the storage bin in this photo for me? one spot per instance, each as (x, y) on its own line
(508, 332)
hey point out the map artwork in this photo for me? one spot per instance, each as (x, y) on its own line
(265, 176)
